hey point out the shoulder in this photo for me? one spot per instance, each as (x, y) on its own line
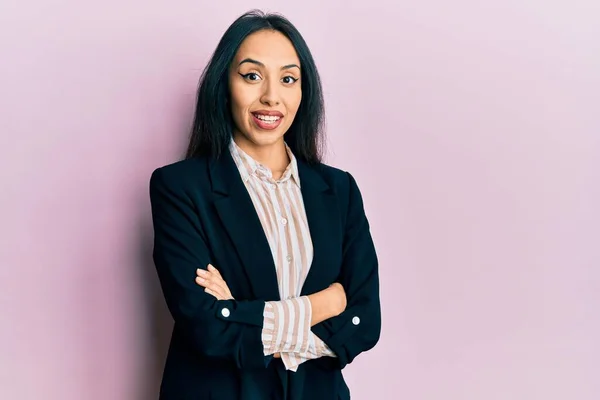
(181, 174)
(344, 187)
(339, 180)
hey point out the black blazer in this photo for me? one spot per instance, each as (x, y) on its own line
(202, 214)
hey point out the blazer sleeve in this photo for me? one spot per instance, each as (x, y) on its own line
(358, 328)
(224, 329)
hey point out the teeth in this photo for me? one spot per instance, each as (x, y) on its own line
(267, 118)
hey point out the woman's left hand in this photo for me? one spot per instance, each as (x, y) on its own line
(213, 283)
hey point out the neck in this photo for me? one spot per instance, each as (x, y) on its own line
(273, 156)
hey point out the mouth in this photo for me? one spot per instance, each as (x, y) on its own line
(267, 120)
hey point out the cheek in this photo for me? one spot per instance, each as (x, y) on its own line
(293, 101)
(237, 108)
(241, 100)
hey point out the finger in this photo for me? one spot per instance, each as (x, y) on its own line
(202, 282)
(221, 284)
(218, 285)
(212, 275)
(202, 272)
(213, 286)
(216, 277)
(214, 270)
(215, 291)
(219, 295)
(206, 278)
(213, 280)
(208, 283)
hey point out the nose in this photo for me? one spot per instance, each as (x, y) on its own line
(270, 96)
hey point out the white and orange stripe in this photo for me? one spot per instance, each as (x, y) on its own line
(280, 208)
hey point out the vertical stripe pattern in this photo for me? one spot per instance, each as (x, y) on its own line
(280, 208)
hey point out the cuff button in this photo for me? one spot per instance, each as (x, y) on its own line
(356, 320)
(225, 312)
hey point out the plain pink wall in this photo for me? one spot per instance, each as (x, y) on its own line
(473, 130)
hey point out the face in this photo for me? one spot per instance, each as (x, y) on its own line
(265, 90)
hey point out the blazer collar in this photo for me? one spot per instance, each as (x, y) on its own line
(248, 166)
(238, 215)
(226, 178)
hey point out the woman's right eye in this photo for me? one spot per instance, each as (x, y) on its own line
(252, 76)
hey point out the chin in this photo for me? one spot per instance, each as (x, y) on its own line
(265, 138)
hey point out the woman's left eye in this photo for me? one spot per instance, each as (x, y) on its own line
(289, 79)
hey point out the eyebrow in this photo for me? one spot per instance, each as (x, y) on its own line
(252, 61)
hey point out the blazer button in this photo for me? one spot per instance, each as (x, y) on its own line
(356, 320)
(225, 312)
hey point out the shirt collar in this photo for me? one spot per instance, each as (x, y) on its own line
(248, 166)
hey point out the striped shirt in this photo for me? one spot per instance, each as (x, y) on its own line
(280, 208)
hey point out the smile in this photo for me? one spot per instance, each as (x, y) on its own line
(267, 120)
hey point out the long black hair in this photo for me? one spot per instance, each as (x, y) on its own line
(213, 124)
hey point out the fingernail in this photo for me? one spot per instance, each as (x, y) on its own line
(200, 280)
(201, 271)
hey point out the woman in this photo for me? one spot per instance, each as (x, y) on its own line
(263, 252)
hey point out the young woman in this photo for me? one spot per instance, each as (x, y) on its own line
(263, 252)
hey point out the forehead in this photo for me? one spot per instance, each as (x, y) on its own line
(269, 47)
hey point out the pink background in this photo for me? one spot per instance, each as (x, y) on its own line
(473, 131)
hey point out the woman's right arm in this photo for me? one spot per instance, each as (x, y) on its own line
(226, 329)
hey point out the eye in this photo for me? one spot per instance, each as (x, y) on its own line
(289, 80)
(251, 76)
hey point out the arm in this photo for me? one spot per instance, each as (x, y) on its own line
(316, 349)
(227, 329)
(296, 315)
(358, 328)
(287, 323)
(323, 305)
(327, 303)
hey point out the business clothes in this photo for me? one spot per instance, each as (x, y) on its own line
(280, 209)
(203, 212)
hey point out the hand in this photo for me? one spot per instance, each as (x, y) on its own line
(339, 297)
(327, 303)
(213, 283)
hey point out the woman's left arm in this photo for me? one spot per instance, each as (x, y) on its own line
(358, 328)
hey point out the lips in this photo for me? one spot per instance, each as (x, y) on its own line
(266, 119)
(271, 113)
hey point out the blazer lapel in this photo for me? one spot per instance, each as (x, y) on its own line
(323, 221)
(236, 211)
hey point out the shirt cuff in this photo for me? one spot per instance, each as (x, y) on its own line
(316, 349)
(286, 326)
